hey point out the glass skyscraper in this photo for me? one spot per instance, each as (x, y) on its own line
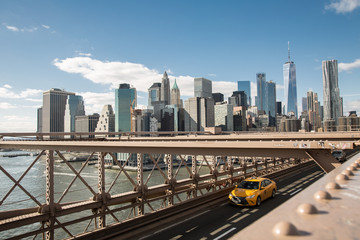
(290, 91)
(74, 107)
(271, 102)
(245, 86)
(125, 102)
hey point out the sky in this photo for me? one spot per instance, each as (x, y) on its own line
(90, 47)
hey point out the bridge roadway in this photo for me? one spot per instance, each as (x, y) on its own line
(223, 220)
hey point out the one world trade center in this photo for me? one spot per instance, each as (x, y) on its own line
(290, 95)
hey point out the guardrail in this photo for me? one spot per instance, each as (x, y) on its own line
(206, 167)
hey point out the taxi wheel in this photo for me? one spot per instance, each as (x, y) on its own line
(258, 201)
(273, 193)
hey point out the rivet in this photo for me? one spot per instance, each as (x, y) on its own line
(285, 229)
(347, 172)
(355, 165)
(351, 168)
(332, 185)
(341, 177)
(322, 195)
(307, 208)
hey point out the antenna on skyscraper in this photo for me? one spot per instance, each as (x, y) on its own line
(289, 50)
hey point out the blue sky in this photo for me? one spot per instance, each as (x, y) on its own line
(89, 47)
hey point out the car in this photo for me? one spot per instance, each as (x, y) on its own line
(252, 191)
(339, 155)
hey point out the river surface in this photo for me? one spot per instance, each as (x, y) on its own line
(34, 182)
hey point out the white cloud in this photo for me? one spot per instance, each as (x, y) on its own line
(351, 106)
(85, 54)
(5, 105)
(5, 92)
(94, 102)
(226, 88)
(12, 28)
(343, 6)
(26, 29)
(349, 66)
(212, 75)
(137, 75)
(20, 123)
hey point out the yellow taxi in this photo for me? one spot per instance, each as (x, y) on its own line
(252, 191)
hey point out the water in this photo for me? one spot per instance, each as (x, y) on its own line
(35, 181)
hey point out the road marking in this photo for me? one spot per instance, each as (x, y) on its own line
(225, 233)
(239, 218)
(234, 216)
(177, 237)
(295, 191)
(220, 229)
(173, 225)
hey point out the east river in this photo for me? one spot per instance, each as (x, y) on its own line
(34, 182)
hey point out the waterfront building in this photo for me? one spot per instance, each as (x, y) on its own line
(290, 91)
(313, 106)
(157, 106)
(199, 113)
(261, 85)
(39, 120)
(271, 102)
(240, 122)
(86, 123)
(331, 92)
(106, 122)
(218, 97)
(224, 116)
(53, 112)
(245, 86)
(154, 93)
(202, 88)
(165, 89)
(74, 107)
(289, 124)
(175, 96)
(278, 108)
(238, 98)
(304, 104)
(125, 103)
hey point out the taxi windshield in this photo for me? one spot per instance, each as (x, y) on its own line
(249, 185)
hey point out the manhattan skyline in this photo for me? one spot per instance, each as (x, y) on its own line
(90, 49)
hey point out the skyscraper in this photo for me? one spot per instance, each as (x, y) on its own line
(270, 106)
(154, 93)
(125, 102)
(202, 88)
(165, 89)
(74, 107)
(331, 92)
(290, 92)
(175, 95)
(53, 112)
(245, 86)
(199, 113)
(261, 85)
(313, 108)
(106, 121)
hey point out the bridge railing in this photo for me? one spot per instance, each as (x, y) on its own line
(148, 177)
